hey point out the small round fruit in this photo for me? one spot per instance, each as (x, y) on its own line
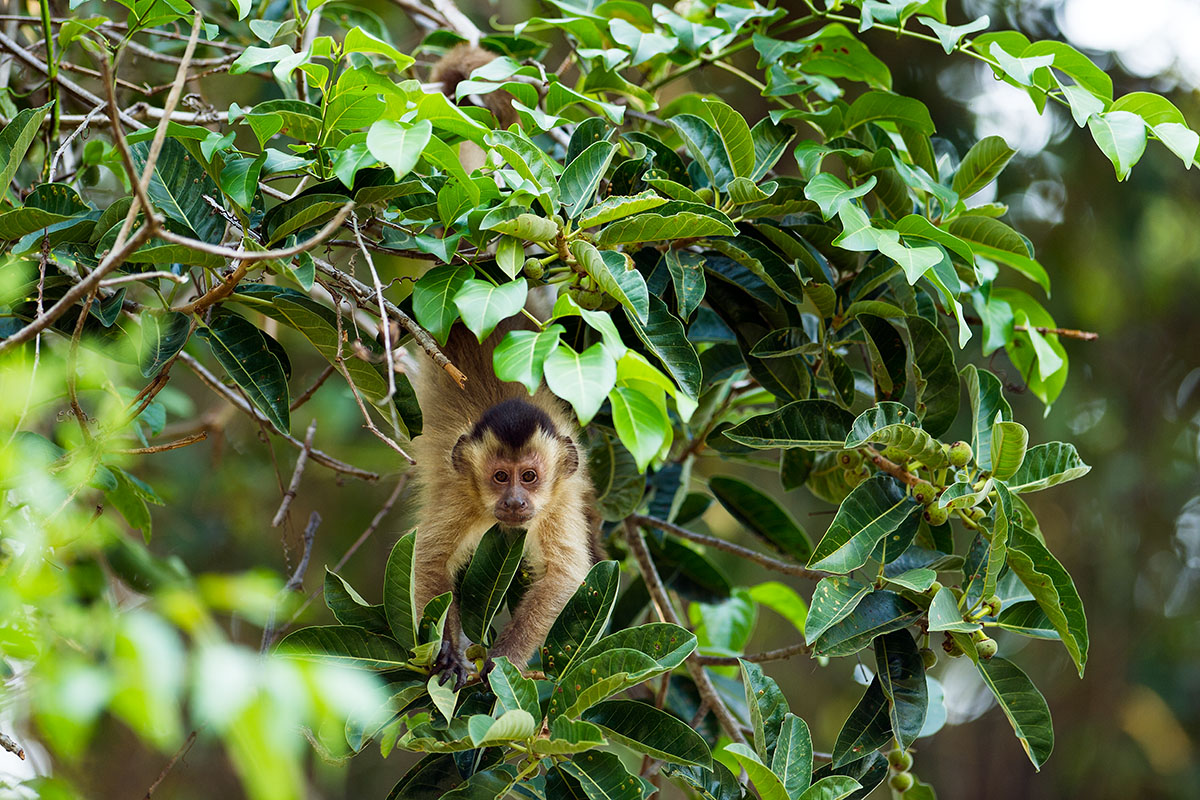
(960, 454)
(994, 603)
(934, 588)
(976, 514)
(936, 516)
(901, 781)
(900, 760)
(849, 458)
(534, 269)
(590, 299)
(856, 475)
(986, 648)
(929, 657)
(705, 194)
(950, 645)
(924, 493)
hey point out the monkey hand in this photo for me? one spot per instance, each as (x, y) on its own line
(450, 662)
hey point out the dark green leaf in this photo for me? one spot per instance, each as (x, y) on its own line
(987, 401)
(878, 613)
(603, 777)
(666, 338)
(935, 376)
(349, 608)
(582, 620)
(487, 580)
(1024, 706)
(792, 761)
(579, 181)
(242, 350)
(808, 424)
(163, 335)
(767, 705)
(901, 674)
(1047, 465)
(647, 730)
(402, 617)
(760, 514)
(873, 510)
(341, 644)
(706, 147)
(832, 601)
(867, 728)
(894, 425)
(1053, 589)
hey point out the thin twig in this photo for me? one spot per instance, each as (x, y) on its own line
(182, 751)
(322, 458)
(729, 547)
(658, 593)
(890, 467)
(294, 484)
(62, 148)
(365, 296)
(8, 744)
(368, 423)
(143, 276)
(310, 391)
(162, 448)
(295, 583)
(767, 655)
(1067, 333)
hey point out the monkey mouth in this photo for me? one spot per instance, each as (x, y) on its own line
(514, 519)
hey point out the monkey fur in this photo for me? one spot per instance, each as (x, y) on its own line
(494, 454)
(458, 64)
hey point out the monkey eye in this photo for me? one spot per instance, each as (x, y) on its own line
(529, 476)
(500, 477)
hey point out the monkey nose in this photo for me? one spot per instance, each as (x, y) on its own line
(514, 504)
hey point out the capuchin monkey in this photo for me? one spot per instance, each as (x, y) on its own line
(491, 453)
(454, 68)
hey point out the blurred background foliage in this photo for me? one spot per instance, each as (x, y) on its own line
(1125, 261)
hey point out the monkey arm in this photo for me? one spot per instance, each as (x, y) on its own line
(436, 556)
(563, 558)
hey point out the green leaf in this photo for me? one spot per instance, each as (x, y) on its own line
(16, 138)
(901, 674)
(666, 338)
(512, 689)
(530, 163)
(433, 299)
(402, 617)
(529, 227)
(618, 484)
(760, 514)
(1009, 440)
(614, 273)
(239, 179)
(242, 350)
(894, 425)
(807, 424)
(878, 613)
(867, 728)
(715, 784)
(735, 137)
(877, 106)
(1053, 590)
(832, 787)
(641, 423)
(833, 600)
(1120, 135)
(992, 239)
(687, 276)
(647, 730)
(873, 510)
(398, 145)
(614, 208)
(766, 782)
(359, 41)
(582, 379)
(1047, 465)
(950, 35)
(341, 644)
(177, 188)
(488, 576)
(831, 194)
(935, 376)
(983, 162)
(652, 226)
(163, 335)
(1019, 69)
(793, 758)
(579, 181)
(521, 355)
(944, 614)
(668, 645)
(770, 143)
(568, 736)
(513, 725)
(602, 776)
(482, 306)
(300, 214)
(987, 401)
(706, 148)
(596, 677)
(349, 608)
(582, 620)
(1024, 706)
(767, 705)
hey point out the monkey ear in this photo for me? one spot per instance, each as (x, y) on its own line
(458, 459)
(569, 463)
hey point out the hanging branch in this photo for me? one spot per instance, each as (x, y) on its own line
(658, 593)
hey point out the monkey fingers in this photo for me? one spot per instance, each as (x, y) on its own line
(450, 662)
(488, 666)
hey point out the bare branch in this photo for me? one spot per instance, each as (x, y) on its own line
(162, 448)
(143, 276)
(183, 748)
(729, 547)
(8, 744)
(658, 593)
(767, 655)
(324, 459)
(310, 391)
(294, 484)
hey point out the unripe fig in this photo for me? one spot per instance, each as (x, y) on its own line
(901, 781)
(929, 657)
(978, 636)
(936, 516)
(986, 648)
(934, 588)
(590, 299)
(849, 458)
(900, 760)
(960, 454)
(924, 493)
(705, 194)
(856, 475)
(976, 514)
(950, 645)
(994, 604)
(534, 269)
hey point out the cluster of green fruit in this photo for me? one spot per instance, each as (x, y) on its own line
(985, 646)
(902, 780)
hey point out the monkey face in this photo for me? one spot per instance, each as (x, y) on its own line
(515, 485)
